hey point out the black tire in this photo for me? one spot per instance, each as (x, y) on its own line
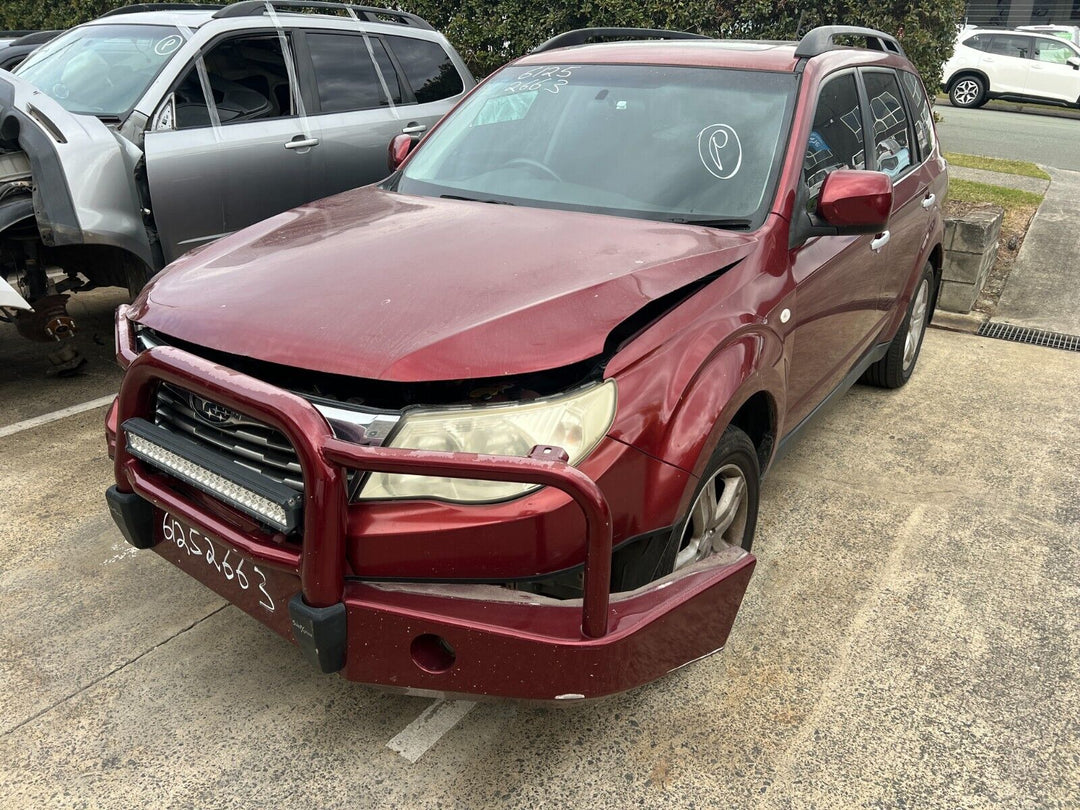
(894, 369)
(657, 556)
(968, 91)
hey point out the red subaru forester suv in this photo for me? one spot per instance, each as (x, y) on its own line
(496, 425)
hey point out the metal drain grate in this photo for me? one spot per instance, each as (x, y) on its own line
(1024, 334)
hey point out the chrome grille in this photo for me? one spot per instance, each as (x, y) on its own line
(249, 443)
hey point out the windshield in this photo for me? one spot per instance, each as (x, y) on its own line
(670, 143)
(101, 69)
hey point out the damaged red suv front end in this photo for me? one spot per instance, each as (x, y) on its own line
(440, 638)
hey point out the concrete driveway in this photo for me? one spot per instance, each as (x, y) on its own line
(910, 639)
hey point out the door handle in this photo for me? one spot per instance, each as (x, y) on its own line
(880, 241)
(413, 128)
(929, 201)
(300, 142)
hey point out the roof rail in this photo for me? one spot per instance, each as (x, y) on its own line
(140, 7)
(583, 35)
(14, 34)
(253, 8)
(37, 38)
(819, 40)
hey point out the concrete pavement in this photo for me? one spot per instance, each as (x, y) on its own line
(911, 639)
(1043, 289)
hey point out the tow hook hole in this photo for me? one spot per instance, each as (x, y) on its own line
(432, 653)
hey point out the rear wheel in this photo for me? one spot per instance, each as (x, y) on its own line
(968, 91)
(894, 369)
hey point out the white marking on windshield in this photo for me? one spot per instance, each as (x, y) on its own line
(720, 151)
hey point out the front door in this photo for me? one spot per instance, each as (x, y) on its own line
(219, 164)
(838, 278)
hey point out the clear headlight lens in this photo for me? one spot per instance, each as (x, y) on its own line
(574, 422)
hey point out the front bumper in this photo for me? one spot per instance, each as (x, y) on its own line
(461, 639)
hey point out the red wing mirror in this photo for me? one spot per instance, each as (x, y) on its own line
(854, 201)
(399, 149)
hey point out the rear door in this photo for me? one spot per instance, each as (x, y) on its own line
(1007, 62)
(215, 165)
(896, 153)
(1051, 76)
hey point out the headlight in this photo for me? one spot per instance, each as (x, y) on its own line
(574, 422)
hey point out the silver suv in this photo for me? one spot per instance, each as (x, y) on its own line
(157, 128)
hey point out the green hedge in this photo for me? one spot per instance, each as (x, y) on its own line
(488, 33)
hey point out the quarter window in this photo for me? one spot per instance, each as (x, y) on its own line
(836, 141)
(892, 143)
(427, 67)
(345, 74)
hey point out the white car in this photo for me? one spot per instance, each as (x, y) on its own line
(1019, 65)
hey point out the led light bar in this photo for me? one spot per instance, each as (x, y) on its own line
(274, 504)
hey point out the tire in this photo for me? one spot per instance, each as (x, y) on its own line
(968, 91)
(733, 478)
(894, 369)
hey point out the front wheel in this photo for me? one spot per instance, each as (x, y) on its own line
(723, 514)
(894, 369)
(968, 91)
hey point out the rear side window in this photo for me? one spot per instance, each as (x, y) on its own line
(427, 67)
(836, 141)
(892, 140)
(920, 109)
(1005, 45)
(345, 76)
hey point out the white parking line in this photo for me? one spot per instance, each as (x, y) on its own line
(427, 729)
(44, 419)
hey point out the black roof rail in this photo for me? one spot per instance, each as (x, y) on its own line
(14, 34)
(37, 38)
(819, 40)
(253, 8)
(140, 7)
(583, 35)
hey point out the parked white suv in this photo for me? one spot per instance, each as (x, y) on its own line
(1019, 65)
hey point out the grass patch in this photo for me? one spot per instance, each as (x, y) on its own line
(1020, 167)
(965, 191)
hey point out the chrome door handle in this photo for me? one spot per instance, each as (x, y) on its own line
(412, 129)
(303, 143)
(929, 201)
(879, 242)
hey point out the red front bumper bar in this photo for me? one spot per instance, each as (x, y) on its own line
(594, 659)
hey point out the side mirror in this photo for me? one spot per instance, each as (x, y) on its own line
(855, 201)
(399, 149)
(1074, 61)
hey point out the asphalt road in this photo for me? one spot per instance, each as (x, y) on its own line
(1041, 139)
(910, 638)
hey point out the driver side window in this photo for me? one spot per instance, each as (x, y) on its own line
(248, 79)
(836, 139)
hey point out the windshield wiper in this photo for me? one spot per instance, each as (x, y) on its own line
(473, 199)
(712, 222)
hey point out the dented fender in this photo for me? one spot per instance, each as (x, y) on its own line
(83, 173)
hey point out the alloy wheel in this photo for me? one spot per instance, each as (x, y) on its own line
(717, 518)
